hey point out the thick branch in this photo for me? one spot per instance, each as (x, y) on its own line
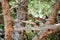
(44, 36)
(46, 33)
(42, 29)
(46, 30)
(54, 13)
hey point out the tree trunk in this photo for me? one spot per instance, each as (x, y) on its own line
(21, 15)
(7, 20)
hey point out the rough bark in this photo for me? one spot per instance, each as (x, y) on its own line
(46, 30)
(46, 34)
(21, 15)
(7, 20)
(51, 20)
(23, 10)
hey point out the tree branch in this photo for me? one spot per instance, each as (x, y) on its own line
(29, 17)
(46, 30)
(54, 13)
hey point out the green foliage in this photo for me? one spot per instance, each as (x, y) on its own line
(12, 2)
(40, 8)
(1, 23)
(13, 14)
(36, 8)
(0, 9)
(54, 36)
(1, 18)
(30, 35)
(2, 26)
